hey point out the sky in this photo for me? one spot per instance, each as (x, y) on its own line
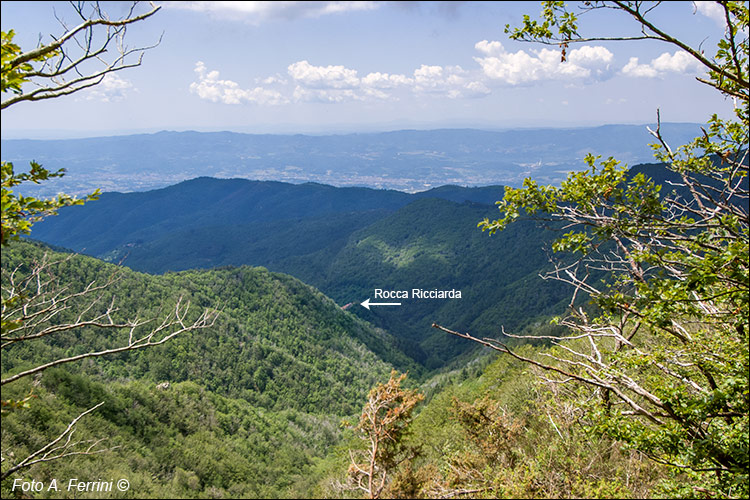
(342, 67)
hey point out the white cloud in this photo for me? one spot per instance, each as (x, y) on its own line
(521, 68)
(302, 93)
(112, 88)
(386, 81)
(324, 83)
(374, 93)
(590, 56)
(338, 83)
(490, 48)
(271, 80)
(323, 77)
(632, 68)
(450, 81)
(679, 62)
(428, 77)
(257, 12)
(713, 11)
(211, 88)
(476, 89)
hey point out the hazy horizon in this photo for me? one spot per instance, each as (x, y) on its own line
(62, 134)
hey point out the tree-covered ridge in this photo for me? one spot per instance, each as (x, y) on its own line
(347, 243)
(498, 276)
(276, 343)
(124, 221)
(134, 218)
(175, 441)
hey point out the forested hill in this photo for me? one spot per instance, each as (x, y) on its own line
(119, 220)
(344, 241)
(277, 342)
(434, 244)
(245, 408)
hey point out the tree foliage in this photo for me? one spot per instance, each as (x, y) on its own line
(20, 212)
(382, 426)
(35, 304)
(499, 432)
(177, 440)
(664, 344)
(79, 58)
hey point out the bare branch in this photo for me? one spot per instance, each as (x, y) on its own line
(52, 451)
(174, 320)
(85, 26)
(51, 77)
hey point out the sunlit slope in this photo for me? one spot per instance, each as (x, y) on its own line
(434, 244)
(277, 342)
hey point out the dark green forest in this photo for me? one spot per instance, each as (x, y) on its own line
(346, 253)
(250, 407)
(207, 339)
(271, 379)
(275, 339)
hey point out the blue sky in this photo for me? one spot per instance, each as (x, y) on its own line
(334, 67)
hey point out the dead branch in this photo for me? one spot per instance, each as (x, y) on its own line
(55, 451)
(66, 72)
(153, 338)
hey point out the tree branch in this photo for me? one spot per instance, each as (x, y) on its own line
(51, 451)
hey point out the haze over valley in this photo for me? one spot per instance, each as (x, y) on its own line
(406, 160)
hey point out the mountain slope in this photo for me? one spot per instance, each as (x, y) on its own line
(176, 441)
(277, 343)
(434, 244)
(345, 241)
(118, 221)
(252, 404)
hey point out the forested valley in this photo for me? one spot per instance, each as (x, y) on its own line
(263, 401)
(253, 406)
(234, 338)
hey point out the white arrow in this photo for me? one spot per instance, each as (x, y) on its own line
(366, 304)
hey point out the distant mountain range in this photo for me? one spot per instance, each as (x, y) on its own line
(127, 220)
(406, 160)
